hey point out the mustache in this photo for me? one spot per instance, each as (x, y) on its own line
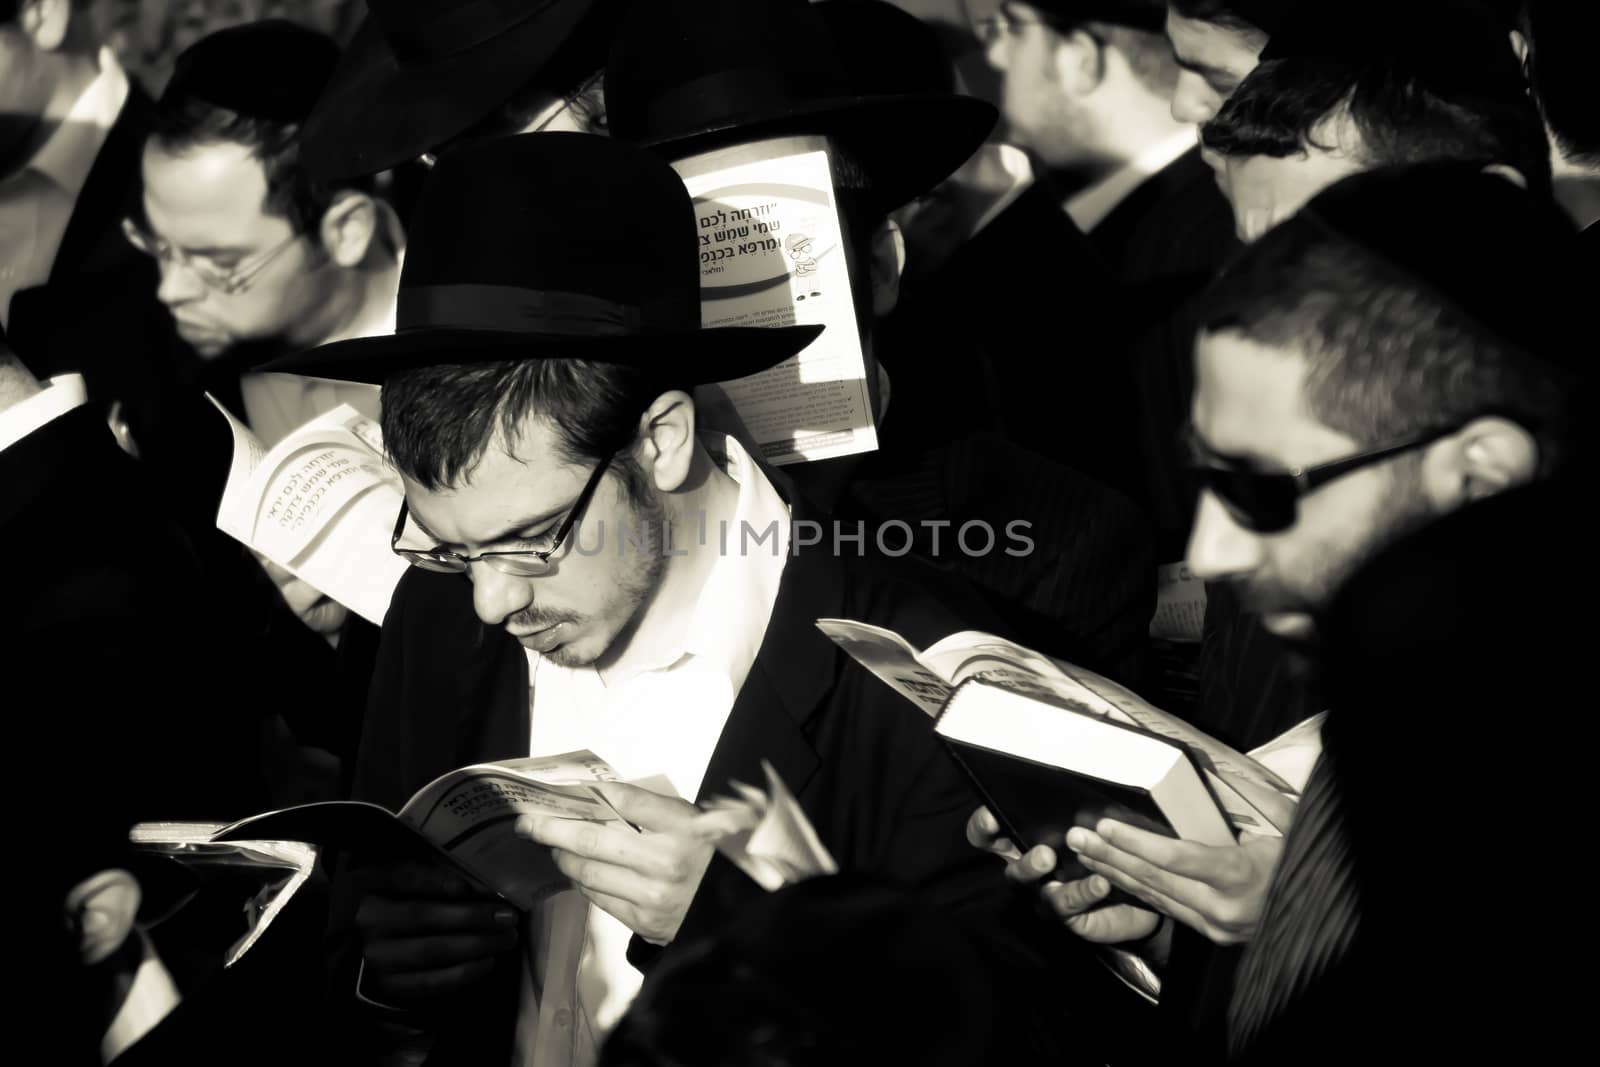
(532, 618)
(1260, 598)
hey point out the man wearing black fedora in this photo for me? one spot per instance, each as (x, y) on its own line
(688, 77)
(631, 588)
(423, 77)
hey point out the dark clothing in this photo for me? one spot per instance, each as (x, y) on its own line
(1461, 745)
(107, 624)
(883, 795)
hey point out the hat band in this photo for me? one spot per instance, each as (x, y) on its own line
(455, 27)
(512, 309)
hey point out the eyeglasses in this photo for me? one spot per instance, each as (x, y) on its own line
(1268, 501)
(227, 280)
(529, 563)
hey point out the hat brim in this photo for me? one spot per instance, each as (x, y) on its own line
(907, 144)
(714, 355)
(375, 114)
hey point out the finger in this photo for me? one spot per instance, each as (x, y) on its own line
(1162, 902)
(604, 843)
(1114, 925)
(380, 916)
(420, 985)
(621, 882)
(1080, 894)
(648, 810)
(1034, 865)
(405, 954)
(1121, 845)
(982, 828)
(1100, 856)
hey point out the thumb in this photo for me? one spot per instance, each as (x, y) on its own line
(647, 810)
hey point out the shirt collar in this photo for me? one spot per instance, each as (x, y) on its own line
(1089, 207)
(151, 998)
(68, 156)
(59, 396)
(731, 614)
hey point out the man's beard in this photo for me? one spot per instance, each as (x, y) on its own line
(632, 589)
(1404, 509)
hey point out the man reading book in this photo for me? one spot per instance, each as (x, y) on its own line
(594, 570)
(1374, 364)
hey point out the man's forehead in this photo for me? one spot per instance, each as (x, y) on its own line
(1248, 395)
(1205, 45)
(513, 481)
(219, 182)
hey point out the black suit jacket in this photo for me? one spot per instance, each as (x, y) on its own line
(882, 793)
(108, 630)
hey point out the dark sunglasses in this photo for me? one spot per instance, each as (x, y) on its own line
(1268, 501)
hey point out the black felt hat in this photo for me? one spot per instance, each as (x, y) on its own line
(553, 245)
(1497, 254)
(273, 70)
(688, 76)
(419, 72)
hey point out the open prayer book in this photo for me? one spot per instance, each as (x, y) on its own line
(467, 818)
(1050, 745)
(765, 834)
(773, 253)
(263, 875)
(321, 504)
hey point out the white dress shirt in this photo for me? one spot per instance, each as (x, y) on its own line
(1090, 205)
(60, 395)
(36, 202)
(151, 998)
(663, 721)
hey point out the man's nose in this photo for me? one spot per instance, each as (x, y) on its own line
(1193, 100)
(496, 595)
(1218, 546)
(179, 285)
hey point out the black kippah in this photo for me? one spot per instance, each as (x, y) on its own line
(273, 70)
(1495, 253)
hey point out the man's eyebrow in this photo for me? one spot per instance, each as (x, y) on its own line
(507, 534)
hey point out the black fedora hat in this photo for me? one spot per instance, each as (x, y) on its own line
(419, 72)
(553, 245)
(688, 76)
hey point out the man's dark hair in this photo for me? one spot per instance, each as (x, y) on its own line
(1245, 16)
(1408, 109)
(439, 421)
(1387, 355)
(184, 123)
(1561, 36)
(1132, 27)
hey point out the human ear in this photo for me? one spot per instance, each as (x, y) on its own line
(1080, 62)
(101, 911)
(667, 432)
(888, 250)
(1487, 456)
(348, 228)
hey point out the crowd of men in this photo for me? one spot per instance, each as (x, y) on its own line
(1292, 292)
